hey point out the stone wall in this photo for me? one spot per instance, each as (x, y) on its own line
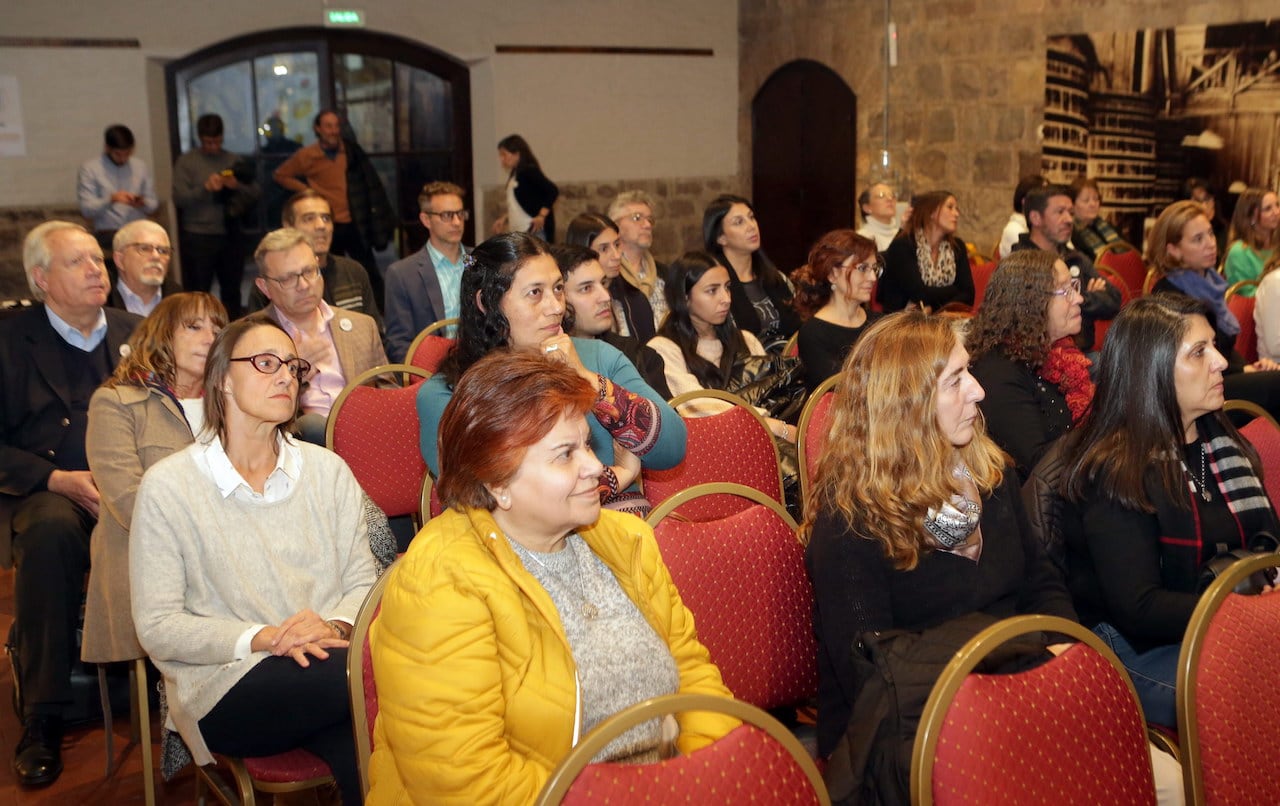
(967, 97)
(678, 206)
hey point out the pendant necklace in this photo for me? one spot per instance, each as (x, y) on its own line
(1204, 477)
(589, 611)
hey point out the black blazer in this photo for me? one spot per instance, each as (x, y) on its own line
(34, 405)
(535, 191)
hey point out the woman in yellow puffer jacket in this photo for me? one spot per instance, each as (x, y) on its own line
(525, 614)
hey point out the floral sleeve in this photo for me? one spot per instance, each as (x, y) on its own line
(630, 419)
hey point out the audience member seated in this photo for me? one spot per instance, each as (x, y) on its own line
(761, 294)
(632, 313)
(1199, 190)
(1266, 311)
(632, 211)
(423, 288)
(588, 311)
(337, 345)
(249, 559)
(1036, 379)
(927, 265)
(1161, 481)
(1182, 250)
(513, 300)
(1049, 218)
(833, 291)
(1091, 231)
(52, 357)
(141, 255)
(149, 408)
(913, 524)
(700, 345)
(346, 283)
(1017, 224)
(1255, 230)
(879, 207)
(525, 614)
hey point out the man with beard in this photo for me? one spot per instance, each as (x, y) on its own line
(142, 254)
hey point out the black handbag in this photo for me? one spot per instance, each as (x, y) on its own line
(1262, 543)
(771, 382)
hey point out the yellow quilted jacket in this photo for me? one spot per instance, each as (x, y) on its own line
(476, 682)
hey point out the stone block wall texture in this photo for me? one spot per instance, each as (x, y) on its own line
(967, 97)
(678, 206)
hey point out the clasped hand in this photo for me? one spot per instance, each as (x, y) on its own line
(302, 634)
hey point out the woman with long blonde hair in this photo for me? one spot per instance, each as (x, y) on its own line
(914, 519)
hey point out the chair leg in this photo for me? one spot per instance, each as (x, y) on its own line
(141, 709)
(105, 699)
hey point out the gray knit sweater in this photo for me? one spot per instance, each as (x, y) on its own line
(204, 569)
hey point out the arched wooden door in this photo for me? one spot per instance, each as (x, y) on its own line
(803, 125)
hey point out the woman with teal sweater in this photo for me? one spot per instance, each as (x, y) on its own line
(1254, 227)
(513, 299)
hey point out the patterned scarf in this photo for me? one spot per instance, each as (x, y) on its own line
(1068, 369)
(942, 273)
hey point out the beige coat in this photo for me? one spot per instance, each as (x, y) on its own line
(130, 429)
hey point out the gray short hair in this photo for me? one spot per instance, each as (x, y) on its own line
(129, 232)
(627, 197)
(36, 252)
(278, 240)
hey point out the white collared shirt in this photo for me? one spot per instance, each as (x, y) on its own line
(74, 337)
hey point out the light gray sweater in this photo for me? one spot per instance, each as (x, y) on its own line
(205, 569)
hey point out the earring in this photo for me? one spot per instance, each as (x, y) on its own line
(506, 499)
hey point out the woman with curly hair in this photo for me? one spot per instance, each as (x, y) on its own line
(833, 291)
(1037, 380)
(913, 521)
(1255, 229)
(927, 265)
(513, 299)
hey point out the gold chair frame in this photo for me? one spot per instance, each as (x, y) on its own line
(355, 674)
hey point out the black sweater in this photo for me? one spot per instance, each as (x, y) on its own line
(1024, 413)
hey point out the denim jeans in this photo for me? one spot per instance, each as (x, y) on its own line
(1154, 673)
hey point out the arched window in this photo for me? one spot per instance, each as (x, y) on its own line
(408, 106)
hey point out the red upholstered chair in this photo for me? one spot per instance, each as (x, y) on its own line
(1242, 307)
(1263, 434)
(429, 504)
(733, 445)
(744, 580)
(1068, 731)
(757, 762)
(1229, 692)
(1122, 258)
(982, 272)
(811, 432)
(430, 347)
(292, 771)
(376, 431)
(1101, 326)
(361, 685)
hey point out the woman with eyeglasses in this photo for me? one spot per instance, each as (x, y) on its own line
(927, 265)
(879, 208)
(1036, 379)
(833, 291)
(248, 561)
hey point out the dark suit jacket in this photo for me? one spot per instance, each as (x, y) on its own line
(34, 405)
(413, 300)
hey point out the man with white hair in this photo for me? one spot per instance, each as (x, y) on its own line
(52, 357)
(142, 253)
(632, 211)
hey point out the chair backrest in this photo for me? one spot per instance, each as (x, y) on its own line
(758, 761)
(744, 580)
(733, 445)
(1242, 307)
(1263, 434)
(1228, 692)
(1126, 261)
(1149, 281)
(1067, 731)
(361, 686)
(429, 504)
(375, 430)
(792, 348)
(1101, 326)
(811, 432)
(430, 347)
(982, 272)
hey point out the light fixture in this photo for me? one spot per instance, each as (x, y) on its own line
(280, 70)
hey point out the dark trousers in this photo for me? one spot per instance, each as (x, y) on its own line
(348, 241)
(51, 557)
(280, 706)
(207, 256)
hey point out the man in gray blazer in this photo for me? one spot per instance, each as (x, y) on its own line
(423, 288)
(339, 344)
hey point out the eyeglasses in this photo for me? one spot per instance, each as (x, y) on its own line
(150, 249)
(1072, 287)
(885, 194)
(873, 266)
(638, 217)
(290, 281)
(449, 216)
(269, 364)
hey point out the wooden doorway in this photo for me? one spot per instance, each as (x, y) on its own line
(803, 157)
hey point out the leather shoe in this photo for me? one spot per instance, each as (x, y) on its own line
(38, 759)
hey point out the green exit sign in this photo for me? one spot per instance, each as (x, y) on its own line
(345, 17)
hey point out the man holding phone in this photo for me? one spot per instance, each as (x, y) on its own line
(115, 187)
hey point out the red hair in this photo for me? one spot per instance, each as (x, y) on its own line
(504, 403)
